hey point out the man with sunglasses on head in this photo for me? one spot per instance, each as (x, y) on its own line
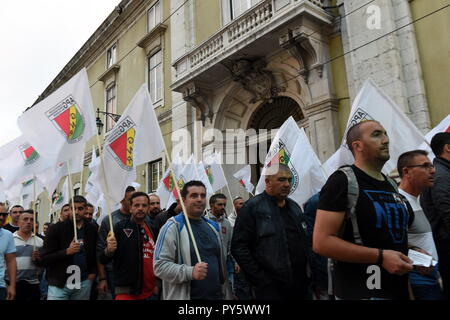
(131, 251)
(417, 174)
(71, 264)
(7, 260)
(14, 213)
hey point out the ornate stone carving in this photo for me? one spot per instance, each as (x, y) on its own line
(304, 49)
(254, 78)
(194, 95)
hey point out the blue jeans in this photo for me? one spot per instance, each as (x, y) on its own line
(2, 294)
(55, 293)
(427, 292)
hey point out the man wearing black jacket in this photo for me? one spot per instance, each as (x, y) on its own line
(435, 202)
(269, 241)
(71, 265)
(162, 217)
(131, 251)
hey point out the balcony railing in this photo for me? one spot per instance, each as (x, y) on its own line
(239, 31)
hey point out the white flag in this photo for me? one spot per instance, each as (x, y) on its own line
(292, 147)
(20, 162)
(93, 188)
(443, 126)
(244, 177)
(51, 177)
(135, 139)
(59, 126)
(201, 173)
(214, 171)
(165, 188)
(372, 104)
(62, 197)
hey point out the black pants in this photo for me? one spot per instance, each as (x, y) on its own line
(443, 250)
(27, 292)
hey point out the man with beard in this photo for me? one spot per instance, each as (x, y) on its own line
(154, 208)
(131, 251)
(362, 222)
(217, 213)
(64, 257)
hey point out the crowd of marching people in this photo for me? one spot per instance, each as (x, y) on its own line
(352, 240)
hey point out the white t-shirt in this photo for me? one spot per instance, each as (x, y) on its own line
(419, 233)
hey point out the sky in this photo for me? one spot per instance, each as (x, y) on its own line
(38, 38)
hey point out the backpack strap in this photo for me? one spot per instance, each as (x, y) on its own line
(352, 199)
(352, 196)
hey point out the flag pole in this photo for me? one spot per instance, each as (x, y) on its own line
(70, 186)
(108, 205)
(188, 224)
(34, 212)
(228, 188)
(81, 179)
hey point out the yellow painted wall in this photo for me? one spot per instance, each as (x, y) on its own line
(207, 19)
(433, 41)
(340, 81)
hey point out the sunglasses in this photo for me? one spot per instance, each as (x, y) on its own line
(3, 214)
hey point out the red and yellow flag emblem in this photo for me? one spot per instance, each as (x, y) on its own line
(68, 119)
(120, 143)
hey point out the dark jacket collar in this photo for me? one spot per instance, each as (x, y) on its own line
(442, 161)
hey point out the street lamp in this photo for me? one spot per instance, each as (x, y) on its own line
(99, 122)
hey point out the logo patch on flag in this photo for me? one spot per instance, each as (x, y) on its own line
(280, 154)
(181, 182)
(128, 232)
(358, 116)
(68, 119)
(120, 143)
(28, 153)
(168, 181)
(209, 174)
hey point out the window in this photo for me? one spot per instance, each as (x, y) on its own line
(111, 56)
(238, 7)
(110, 106)
(155, 77)
(155, 172)
(153, 16)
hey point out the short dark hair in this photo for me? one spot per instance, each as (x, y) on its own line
(215, 197)
(438, 142)
(89, 205)
(406, 159)
(15, 206)
(129, 189)
(237, 198)
(79, 199)
(192, 183)
(139, 194)
(354, 133)
(48, 224)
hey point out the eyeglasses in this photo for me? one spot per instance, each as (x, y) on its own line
(426, 165)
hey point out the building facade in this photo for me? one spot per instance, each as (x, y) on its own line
(217, 65)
